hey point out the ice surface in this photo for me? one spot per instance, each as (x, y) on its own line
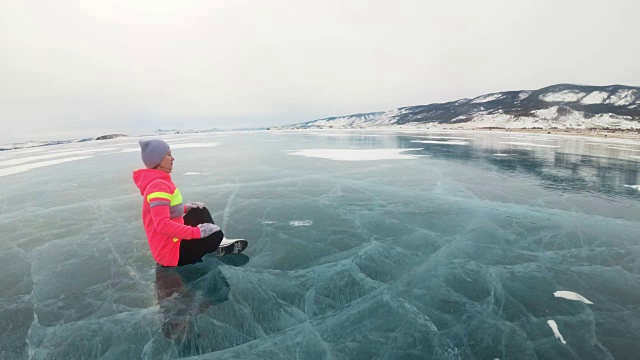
(452, 255)
(570, 295)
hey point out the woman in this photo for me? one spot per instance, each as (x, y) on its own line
(178, 234)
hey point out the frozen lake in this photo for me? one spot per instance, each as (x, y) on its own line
(362, 245)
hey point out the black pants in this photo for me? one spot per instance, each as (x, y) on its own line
(192, 251)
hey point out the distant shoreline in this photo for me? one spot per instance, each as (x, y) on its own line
(599, 133)
(602, 134)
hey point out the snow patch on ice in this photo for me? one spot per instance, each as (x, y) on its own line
(448, 137)
(194, 145)
(501, 154)
(570, 295)
(556, 332)
(300, 222)
(637, 187)
(357, 154)
(596, 97)
(50, 156)
(620, 148)
(192, 173)
(563, 96)
(441, 142)
(27, 167)
(529, 144)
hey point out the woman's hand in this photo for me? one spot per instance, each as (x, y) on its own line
(207, 229)
(193, 205)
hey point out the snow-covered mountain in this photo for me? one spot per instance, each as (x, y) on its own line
(563, 106)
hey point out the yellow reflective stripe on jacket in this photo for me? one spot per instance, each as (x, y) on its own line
(175, 199)
(160, 195)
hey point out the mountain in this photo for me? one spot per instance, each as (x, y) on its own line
(110, 136)
(563, 106)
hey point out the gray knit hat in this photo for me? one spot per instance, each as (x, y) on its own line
(153, 151)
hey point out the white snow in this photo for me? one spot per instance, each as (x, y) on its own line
(193, 145)
(563, 96)
(448, 137)
(486, 98)
(524, 95)
(548, 113)
(637, 187)
(529, 144)
(192, 173)
(596, 97)
(357, 121)
(570, 295)
(50, 156)
(300, 222)
(623, 97)
(357, 154)
(454, 142)
(621, 148)
(556, 332)
(27, 167)
(635, 157)
(501, 154)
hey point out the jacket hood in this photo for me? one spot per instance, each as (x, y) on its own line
(143, 177)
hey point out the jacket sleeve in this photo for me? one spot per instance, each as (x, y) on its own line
(160, 214)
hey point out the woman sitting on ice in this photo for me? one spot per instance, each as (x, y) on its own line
(178, 234)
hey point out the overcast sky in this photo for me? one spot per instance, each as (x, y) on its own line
(75, 69)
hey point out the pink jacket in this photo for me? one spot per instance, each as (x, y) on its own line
(162, 212)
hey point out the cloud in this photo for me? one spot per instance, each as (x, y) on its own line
(136, 66)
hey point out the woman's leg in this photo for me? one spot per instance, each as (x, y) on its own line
(191, 251)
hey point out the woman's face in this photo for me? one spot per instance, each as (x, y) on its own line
(166, 164)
